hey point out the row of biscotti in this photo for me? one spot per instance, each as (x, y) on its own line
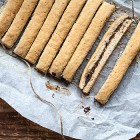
(51, 24)
(53, 42)
(56, 56)
(62, 22)
(60, 14)
(32, 43)
(47, 15)
(44, 22)
(105, 48)
(37, 10)
(98, 60)
(45, 28)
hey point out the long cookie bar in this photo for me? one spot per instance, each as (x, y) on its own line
(74, 37)
(103, 51)
(62, 30)
(33, 27)
(46, 30)
(19, 22)
(120, 68)
(8, 14)
(88, 40)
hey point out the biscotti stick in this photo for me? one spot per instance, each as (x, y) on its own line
(74, 37)
(103, 51)
(46, 30)
(88, 40)
(8, 14)
(33, 27)
(120, 68)
(60, 34)
(19, 22)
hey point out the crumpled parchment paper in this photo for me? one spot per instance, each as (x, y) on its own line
(82, 118)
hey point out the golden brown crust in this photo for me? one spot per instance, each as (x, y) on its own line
(8, 14)
(60, 34)
(88, 40)
(33, 27)
(120, 68)
(74, 37)
(46, 30)
(19, 22)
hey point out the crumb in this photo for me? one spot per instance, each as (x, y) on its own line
(92, 118)
(53, 95)
(83, 106)
(111, 20)
(87, 109)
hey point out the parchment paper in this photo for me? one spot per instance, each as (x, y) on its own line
(119, 119)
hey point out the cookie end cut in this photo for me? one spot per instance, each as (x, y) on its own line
(31, 61)
(81, 85)
(6, 43)
(100, 100)
(18, 53)
(39, 69)
(54, 74)
(67, 81)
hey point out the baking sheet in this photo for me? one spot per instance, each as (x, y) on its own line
(82, 117)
